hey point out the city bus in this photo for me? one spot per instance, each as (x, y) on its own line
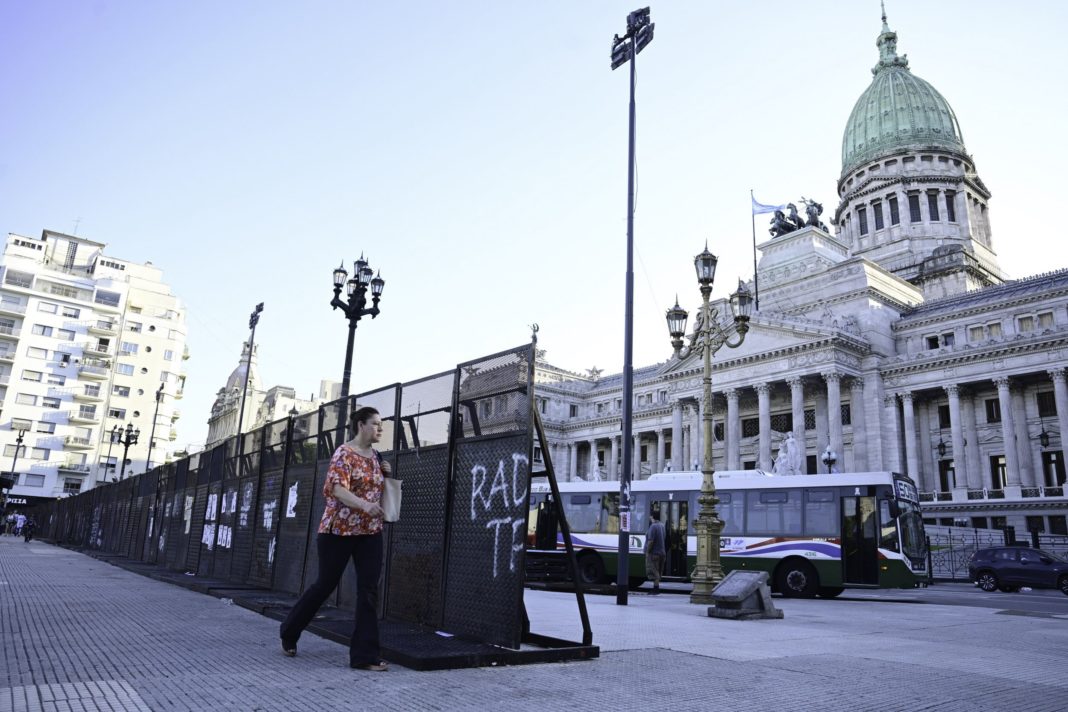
(813, 534)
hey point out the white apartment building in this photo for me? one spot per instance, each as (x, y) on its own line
(86, 343)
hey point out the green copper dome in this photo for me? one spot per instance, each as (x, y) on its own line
(899, 110)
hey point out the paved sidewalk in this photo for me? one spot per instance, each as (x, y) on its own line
(80, 634)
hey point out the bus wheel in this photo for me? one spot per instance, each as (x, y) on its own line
(797, 579)
(591, 568)
(830, 591)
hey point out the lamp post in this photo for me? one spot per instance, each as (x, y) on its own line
(356, 307)
(625, 49)
(126, 438)
(708, 336)
(111, 444)
(829, 457)
(253, 319)
(152, 434)
(14, 462)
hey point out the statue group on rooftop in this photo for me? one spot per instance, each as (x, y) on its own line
(782, 223)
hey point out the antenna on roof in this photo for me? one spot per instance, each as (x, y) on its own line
(77, 222)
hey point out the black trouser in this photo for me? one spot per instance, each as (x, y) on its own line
(334, 552)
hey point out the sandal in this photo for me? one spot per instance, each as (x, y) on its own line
(380, 666)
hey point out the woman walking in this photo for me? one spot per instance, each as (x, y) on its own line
(351, 528)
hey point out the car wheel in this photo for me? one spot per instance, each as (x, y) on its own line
(797, 579)
(591, 568)
(830, 591)
(1005, 588)
(1062, 584)
(988, 581)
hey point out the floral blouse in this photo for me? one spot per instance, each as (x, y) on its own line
(363, 477)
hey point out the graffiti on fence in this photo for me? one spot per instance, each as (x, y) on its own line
(503, 515)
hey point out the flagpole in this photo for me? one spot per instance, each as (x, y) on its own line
(752, 220)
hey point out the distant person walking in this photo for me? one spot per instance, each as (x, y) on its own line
(28, 528)
(350, 528)
(655, 551)
(9, 523)
(20, 522)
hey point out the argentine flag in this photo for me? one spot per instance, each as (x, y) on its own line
(759, 208)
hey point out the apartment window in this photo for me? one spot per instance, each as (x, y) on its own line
(47, 307)
(127, 348)
(1036, 524)
(810, 420)
(932, 204)
(168, 355)
(717, 431)
(35, 376)
(951, 210)
(993, 410)
(29, 480)
(71, 486)
(572, 410)
(173, 335)
(847, 414)
(54, 379)
(43, 427)
(994, 329)
(9, 451)
(119, 413)
(135, 310)
(18, 279)
(71, 312)
(134, 326)
(948, 339)
(36, 352)
(1025, 324)
(997, 471)
(895, 216)
(25, 399)
(49, 402)
(40, 453)
(65, 334)
(110, 299)
(877, 214)
(124, 391)
(862, 220)
(782, 422)
(1047, 404)
(932, 342)
(1045, 320)
(1058, 524)
(914, 207)
(750, 427)
(975, 334)
(125, 369)
(41, 330)
(21, 424)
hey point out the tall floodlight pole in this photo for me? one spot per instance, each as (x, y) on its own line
(625, 49)
(708, 336)
(253, 319)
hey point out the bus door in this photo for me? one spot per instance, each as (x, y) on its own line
(675, 516)
(860, 541)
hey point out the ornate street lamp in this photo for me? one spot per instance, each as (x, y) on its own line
(126, 438)
(152, 434)
(253, 319)
(14, 473)
(829, 457)
(708, 337)
(941, 447)
(355, 308)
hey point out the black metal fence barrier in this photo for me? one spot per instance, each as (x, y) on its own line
(461, 441)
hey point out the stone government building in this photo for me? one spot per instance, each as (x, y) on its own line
(897, 341)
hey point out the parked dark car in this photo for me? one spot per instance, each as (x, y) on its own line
(1007, 568)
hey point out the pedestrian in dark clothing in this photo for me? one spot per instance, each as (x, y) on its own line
(655, 551)
(350, 528)
(28, 528)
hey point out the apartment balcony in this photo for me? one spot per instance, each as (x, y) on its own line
(12, 309)
(7, 355)
(96, 349)
(88, 394)
(173, 435)
(5, 378)
(10, 332)
(73, 442)
(105, 305)
(94, 370)
(103, 327)
(83, 416)
(71, 467)
(179, 393)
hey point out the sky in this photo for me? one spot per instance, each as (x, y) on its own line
(476, 153)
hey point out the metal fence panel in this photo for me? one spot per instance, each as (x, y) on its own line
(952, 548)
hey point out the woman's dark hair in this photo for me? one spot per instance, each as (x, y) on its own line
(362, 415)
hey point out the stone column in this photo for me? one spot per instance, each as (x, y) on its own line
(873, 401)
(960, 465)
(927, 480)
(613, 461)
(1008, 435)
(1060, 396)
(764, 407)
(834, 415)
(637, 464)
(797, 405)
(891, 434)
(731, 431)
(697, 436)
(572, 461)
(594, 473)
(912, 454)
(860, 432)
(976, 476)
(676, 438)
(1024, 444)
(661, 443)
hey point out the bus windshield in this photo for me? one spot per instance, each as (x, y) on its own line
(910, 524)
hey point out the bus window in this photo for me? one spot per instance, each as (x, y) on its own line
(610, 514)
(639, 512)
(581, 512)
(888, 528)
(821, 513)
(773, 512)
(732, 510)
